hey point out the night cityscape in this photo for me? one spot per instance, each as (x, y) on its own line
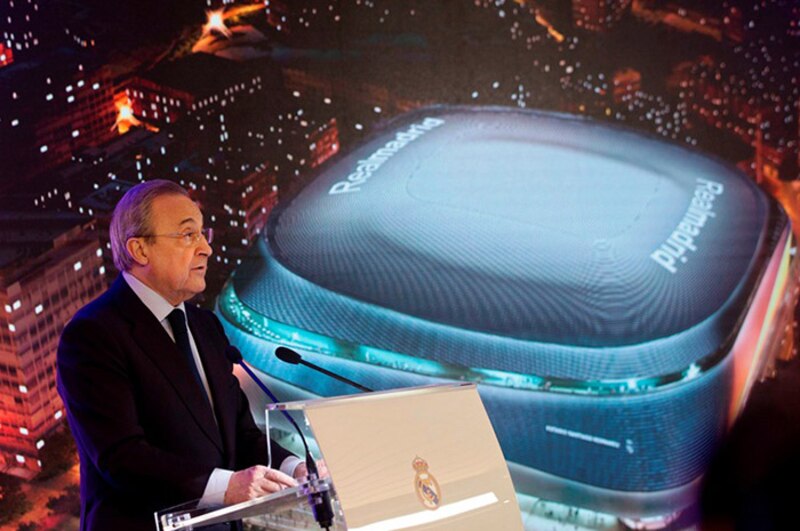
(244, 103)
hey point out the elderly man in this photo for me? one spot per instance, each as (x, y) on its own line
(157, 414)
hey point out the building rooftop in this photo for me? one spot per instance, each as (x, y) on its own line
(29, 234)
(107, 196)
(30, 75)
(199, 74)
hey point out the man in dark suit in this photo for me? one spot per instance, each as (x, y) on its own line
(151, 399)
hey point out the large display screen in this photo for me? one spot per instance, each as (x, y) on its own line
(584, 206)
(615, 304)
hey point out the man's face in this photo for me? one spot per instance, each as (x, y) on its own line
(175, 270)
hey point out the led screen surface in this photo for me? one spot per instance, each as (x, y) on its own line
(549, 236)
(595, 291)
(615, 293)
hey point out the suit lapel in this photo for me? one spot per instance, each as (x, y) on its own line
(165, 355)
(218, 374)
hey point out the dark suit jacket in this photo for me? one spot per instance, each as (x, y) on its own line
(146, 436)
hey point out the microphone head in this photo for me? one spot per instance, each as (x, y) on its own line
(233, 354)
(287, 355)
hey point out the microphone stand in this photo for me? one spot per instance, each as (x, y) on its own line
(288, 355)
(320, 501)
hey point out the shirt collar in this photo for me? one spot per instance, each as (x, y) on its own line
(158, 305)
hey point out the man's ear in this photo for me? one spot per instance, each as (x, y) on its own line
(137, 251)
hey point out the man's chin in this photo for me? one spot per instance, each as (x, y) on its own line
(197, 286)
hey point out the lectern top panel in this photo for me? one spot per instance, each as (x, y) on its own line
(374, 396)
(423, 458)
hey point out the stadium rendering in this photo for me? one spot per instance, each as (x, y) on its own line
(615, 296)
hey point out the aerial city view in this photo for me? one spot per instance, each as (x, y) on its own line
(587, 207)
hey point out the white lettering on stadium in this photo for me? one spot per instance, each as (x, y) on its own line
(672, 252)
(365, 168)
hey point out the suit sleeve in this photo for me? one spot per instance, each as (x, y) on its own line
(96, 387)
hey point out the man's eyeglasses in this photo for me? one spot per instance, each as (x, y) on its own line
(188, 238)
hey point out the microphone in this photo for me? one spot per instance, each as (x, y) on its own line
(321, 501)
(290, 356)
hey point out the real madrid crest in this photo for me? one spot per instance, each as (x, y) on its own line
(425, 484)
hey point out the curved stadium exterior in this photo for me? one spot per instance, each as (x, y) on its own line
(606, 288)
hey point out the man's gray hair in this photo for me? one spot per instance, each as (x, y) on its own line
(131, 217)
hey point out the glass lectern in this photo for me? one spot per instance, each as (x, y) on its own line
(288, 509)
(417, 458)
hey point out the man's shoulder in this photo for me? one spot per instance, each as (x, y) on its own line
(202, 314)
(105, 309)
(92, 330)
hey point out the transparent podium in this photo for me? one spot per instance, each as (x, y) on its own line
(288, 509)
(416, 458)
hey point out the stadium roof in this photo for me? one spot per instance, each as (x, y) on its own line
(522, 241)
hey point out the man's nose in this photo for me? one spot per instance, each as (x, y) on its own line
(204, 248)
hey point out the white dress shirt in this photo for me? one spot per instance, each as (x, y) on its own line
(214, 492)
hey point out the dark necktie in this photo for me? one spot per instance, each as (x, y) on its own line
(178, 323)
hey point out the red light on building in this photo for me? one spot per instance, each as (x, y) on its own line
(324, 142)
(215, 23)
(627, 81)
(6, 56)
(733, 25)
(598, 15)
(157, 104)
(125, 116)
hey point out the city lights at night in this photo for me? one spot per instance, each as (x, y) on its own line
(216, 23)
(125, 116)
(255, 106)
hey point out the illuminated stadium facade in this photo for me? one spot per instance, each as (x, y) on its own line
(615, 295)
